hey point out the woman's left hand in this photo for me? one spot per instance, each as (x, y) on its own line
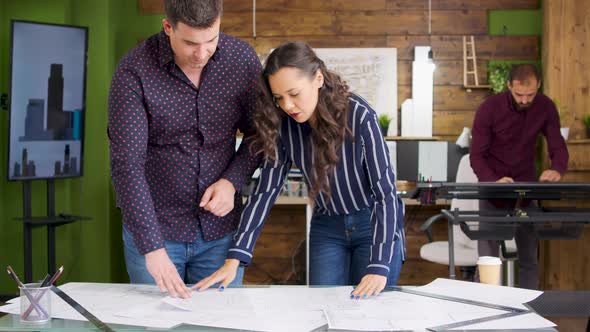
(371, 284)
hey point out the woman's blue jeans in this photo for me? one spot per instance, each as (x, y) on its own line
(340, 248)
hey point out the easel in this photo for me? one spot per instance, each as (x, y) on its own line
(50, 220)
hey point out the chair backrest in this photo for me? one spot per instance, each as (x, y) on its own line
(464, 174)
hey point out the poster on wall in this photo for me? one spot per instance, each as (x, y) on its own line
(369, 72)
(47, 100)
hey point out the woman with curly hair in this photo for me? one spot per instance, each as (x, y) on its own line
(306, 115)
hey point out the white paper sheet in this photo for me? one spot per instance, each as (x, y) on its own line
(500, 295)
(529, 321)
(402, 311)
(258, 309)
(103, 301)
(250, 300)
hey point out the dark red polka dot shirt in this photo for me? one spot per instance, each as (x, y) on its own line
(170, 140)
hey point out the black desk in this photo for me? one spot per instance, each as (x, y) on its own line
(562, 223)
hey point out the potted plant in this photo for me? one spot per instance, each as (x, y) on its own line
(498, 75)
(384, 121)
(586, 120)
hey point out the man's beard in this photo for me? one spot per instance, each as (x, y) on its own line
(522, 107)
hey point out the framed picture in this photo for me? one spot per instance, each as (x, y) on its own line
(369, 72)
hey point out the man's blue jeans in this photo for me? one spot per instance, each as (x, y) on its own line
(194, 261)
(340, 249)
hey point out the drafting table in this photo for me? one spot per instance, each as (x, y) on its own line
(505, 303)
(550, 223)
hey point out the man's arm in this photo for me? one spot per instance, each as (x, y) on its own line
(556, 146)
(480, 145)
(245, 162)
(219, 197)
(128, 135)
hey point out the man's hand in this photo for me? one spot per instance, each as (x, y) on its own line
(219, 198)
(164, 273)
(505, 180)
(371, 284)
(550, 176)
(226, 274)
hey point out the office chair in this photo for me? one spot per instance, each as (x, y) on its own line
(465, 249)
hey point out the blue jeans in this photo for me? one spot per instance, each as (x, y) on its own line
(340, 249)
(194, 261)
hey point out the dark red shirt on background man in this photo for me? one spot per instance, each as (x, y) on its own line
(504, 138)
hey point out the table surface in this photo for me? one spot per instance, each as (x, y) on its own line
(12, 322)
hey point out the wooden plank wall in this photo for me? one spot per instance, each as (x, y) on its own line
(566, 64)
(402, 24)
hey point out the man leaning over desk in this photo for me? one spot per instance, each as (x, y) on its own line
(505, 131)
(175, 104)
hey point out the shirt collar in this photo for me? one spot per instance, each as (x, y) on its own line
(166, 55)
(305, 126)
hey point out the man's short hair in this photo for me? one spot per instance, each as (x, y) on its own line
(524, 72)
(194, 13)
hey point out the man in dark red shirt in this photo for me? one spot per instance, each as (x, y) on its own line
(175, 104)
(505, 132)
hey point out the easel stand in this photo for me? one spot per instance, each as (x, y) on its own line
(50, 220)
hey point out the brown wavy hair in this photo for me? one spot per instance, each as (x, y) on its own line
(330, 115)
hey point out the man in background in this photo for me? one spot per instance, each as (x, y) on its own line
(505, 132)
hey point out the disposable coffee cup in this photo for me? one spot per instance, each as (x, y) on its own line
(35, 303)
(489, 270)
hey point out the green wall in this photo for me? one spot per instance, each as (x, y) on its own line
(515, 22)
(89, 250)
(84, 248)
(130, 27)
(92, 250)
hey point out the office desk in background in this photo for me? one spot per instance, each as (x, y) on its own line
(549, 223)
(284, 232)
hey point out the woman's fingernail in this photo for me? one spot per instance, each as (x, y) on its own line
(221, 288)
(351, 296)
(364, 296)
(358, 297)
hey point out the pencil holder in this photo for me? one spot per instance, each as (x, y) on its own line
(35, 303)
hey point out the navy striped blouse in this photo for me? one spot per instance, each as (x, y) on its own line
(363, 179)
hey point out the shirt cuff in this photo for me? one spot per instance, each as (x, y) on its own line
(560, 170)
(380, 269)
(491, 177)
(243, 256)
(236, 181)
(147, 247)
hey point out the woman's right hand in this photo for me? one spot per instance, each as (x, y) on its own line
(226, 274)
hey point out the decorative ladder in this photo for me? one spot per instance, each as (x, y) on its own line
(470, 57)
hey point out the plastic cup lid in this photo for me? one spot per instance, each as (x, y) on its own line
(489, 260)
